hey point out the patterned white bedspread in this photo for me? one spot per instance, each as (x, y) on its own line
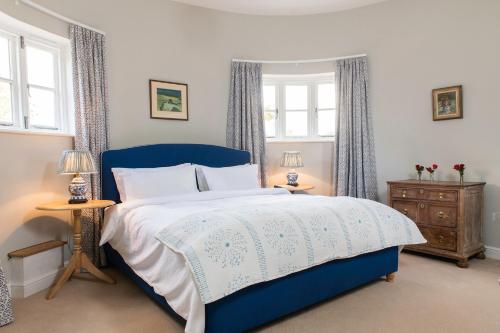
(232, 248)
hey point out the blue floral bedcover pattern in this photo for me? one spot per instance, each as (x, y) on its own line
(230, 249)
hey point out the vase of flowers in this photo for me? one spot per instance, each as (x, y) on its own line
(431, 170)
(460, 168)
(419, 169)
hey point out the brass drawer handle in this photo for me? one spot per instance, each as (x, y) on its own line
(441, 195)
(441, 238)
(404, 193)
(442, 215)
(405, 211)
(422, 206)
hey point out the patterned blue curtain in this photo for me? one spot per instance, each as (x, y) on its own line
(245, 120)
(6, 314)
(91, 122)
(354, 172)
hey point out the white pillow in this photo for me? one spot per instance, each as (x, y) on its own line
(200, 177)
(144, 183)
(240, 177)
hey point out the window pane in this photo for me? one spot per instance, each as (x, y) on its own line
(326, 96)
(270, 123)
(5, 103)
(269, 97)
(4, 58)
(326, 123)
(42, 107)
(40, 67)
(296, 123)
(296, 97)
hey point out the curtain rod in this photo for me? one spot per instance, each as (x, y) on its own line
(57, 15)
(306, 61)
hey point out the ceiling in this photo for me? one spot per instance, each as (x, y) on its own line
(280, 7)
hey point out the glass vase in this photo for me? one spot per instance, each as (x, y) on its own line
(419, 175)
(431, 177)
(461, 178)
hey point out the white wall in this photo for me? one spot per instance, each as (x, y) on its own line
(28, 172)
(28, 178)
(413, 47)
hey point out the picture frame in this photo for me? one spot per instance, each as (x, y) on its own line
(447, 103)
(168, 100)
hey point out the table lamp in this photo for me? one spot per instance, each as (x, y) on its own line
(77, 162)
(292, 159)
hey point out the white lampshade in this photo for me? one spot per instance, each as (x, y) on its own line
(291, 159)
(76, 161)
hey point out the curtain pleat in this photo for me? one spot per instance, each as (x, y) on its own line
(6, 313)
(245, 121)
(354, 170)
(91, 123)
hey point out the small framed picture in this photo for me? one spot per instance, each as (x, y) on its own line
(169, 100)
(447, 103)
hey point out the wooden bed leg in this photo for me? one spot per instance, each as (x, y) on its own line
(390, 277)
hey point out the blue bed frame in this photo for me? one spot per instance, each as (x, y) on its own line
(261, 303)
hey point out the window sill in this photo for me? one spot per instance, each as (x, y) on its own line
(34, 132)
(301, 140)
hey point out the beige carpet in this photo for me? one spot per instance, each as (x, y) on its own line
(429, 295)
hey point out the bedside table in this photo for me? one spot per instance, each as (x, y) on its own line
(78, 260)
(293, 189)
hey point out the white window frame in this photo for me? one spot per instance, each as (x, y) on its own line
(14, 80)
(311, 81)
(20, 36)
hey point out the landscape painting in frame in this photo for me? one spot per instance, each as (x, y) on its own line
(169, 100)
(447, 103)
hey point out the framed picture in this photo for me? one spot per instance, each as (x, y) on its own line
(169, 100)
(447, 103)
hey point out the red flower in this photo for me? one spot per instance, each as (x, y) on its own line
(434, 166)
(456, 167)
(459, 167)
(431, 170)
(462, 166)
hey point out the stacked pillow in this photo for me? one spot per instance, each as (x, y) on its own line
(145, 183)
(240, 177)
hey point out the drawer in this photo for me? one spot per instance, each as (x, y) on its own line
(440, 238)
(445, 216)
(407, 193)
(409, 208)
(443, 196)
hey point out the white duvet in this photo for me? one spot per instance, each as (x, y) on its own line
(132, 229)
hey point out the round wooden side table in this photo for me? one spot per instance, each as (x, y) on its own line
(79, 259)
(300, 187)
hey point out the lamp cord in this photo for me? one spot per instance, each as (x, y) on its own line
(69, 238)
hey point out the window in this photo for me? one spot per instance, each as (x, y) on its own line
(33, 85)
(299, 107)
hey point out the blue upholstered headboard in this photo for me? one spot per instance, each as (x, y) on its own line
(161, 155)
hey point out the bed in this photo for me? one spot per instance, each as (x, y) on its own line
(256, 304)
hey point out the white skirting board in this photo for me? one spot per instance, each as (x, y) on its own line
(35, 273)
(492, 252)
(33, 286)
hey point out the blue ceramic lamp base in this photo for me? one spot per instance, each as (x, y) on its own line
(292, 178)
(77, 188)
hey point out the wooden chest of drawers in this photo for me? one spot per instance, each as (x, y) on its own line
(449, 215)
